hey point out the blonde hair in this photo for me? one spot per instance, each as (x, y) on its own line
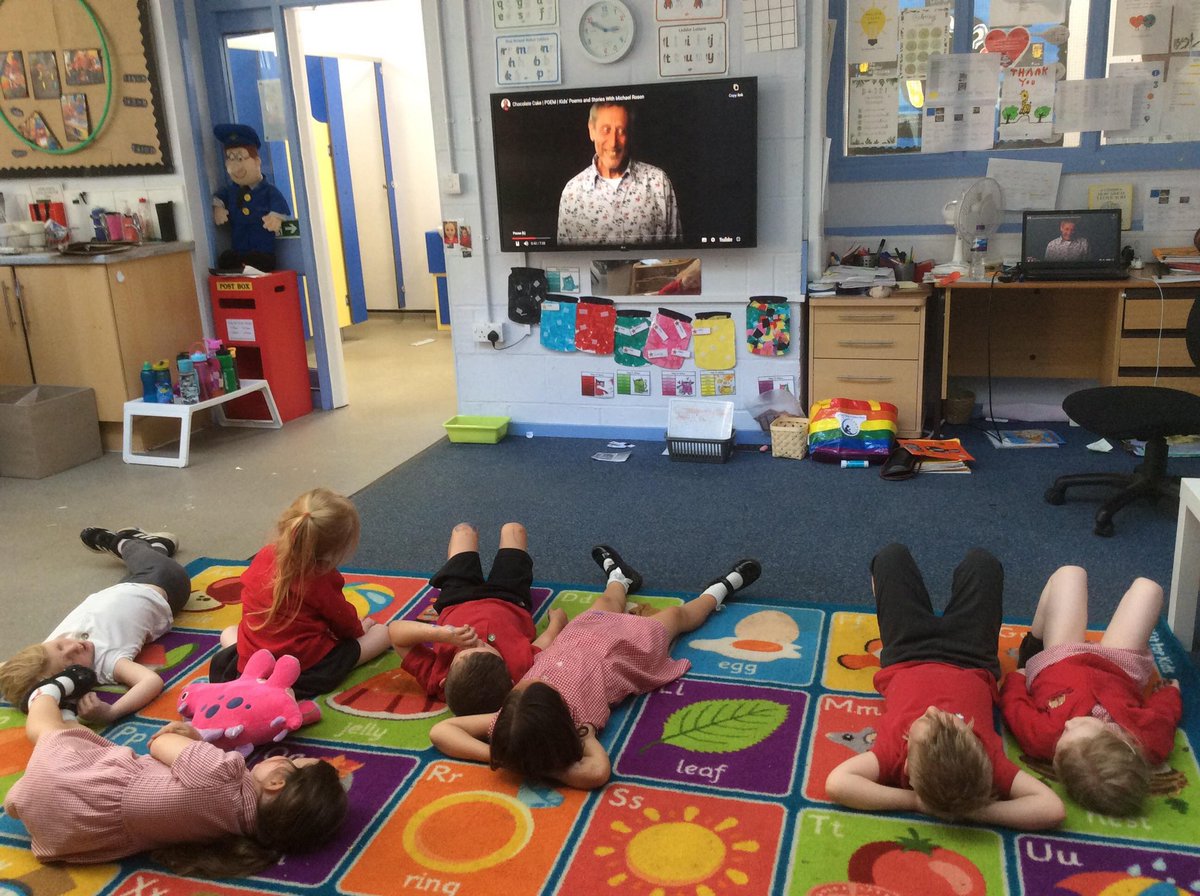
(1104, 772)
(949, 769)
(317, 532)
(26, 668)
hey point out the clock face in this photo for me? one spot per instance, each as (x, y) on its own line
(606, 30)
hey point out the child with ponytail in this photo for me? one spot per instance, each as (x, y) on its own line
(292, 599)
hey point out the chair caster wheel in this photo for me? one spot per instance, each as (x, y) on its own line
(1104, 528)
(1055, 496)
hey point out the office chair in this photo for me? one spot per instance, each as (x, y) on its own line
(1147, 413)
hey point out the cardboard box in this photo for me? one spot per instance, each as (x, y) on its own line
(46, 429)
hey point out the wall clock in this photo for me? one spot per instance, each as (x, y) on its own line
(606, 30)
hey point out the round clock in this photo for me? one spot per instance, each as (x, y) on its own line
(606, 30)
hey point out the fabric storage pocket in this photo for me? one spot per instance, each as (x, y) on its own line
(669, 343)
(714, 340)
(629, 337)
(768, 326)
(595, 319)
(558, 323)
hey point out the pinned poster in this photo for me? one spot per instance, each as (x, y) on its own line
(1026, 104)
(1149, 100)
(1024, 12)
(872, 31)
(1141, 27)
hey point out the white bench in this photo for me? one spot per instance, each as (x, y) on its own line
(1185, 577)
(183, 413)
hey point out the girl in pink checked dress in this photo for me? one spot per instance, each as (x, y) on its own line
(547, 726)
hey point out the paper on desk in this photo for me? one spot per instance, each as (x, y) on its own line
(612, 457)
(1026, 184)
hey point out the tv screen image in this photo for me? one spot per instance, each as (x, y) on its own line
(1075, 236)
(689, 150)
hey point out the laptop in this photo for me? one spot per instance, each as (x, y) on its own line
(1083, 244)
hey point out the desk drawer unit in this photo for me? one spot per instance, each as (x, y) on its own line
(1152, 338)
(869, 349)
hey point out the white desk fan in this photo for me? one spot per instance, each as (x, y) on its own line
(976, 213)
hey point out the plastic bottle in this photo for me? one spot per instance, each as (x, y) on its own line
(229, 377)
(979, 247)
(143, 218)
(149, 391)
(189, 381)
(200, 364)
(162, 382)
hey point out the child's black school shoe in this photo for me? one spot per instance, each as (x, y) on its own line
(103, 540)
(749, 569)
(1030, 647)
(72, 683)
(608, 558)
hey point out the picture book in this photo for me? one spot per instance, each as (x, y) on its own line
(936, 449)
(1025, 438)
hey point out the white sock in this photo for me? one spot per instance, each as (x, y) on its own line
(718, 589)
(69, 715)
(615, 575)
(49, 690)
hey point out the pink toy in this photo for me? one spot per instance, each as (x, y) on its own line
(256, 708)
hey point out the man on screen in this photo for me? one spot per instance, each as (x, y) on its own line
(1067, 246)
(617, 201)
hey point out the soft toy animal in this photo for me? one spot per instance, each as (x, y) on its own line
(255, 709)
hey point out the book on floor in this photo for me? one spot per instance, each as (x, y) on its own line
(1025, 438)
(938, 455)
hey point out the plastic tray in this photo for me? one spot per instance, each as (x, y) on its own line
(476, 430)
(704, 451)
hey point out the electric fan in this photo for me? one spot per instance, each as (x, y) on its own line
(975, 214)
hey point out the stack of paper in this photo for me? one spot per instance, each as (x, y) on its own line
(938, 455)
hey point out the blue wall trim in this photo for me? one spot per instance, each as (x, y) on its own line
(390, 179)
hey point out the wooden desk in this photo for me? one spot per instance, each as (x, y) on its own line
(1107, 331)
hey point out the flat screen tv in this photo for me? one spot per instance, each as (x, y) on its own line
(697, 140)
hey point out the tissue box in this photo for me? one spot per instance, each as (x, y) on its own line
(46, 429)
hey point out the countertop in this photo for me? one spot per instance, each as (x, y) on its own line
(43, 257)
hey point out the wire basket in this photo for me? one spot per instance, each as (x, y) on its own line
(789, 436)
(705, 451)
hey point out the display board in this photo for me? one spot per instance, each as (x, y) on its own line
(79, 90)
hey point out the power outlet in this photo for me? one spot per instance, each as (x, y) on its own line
(482, 330)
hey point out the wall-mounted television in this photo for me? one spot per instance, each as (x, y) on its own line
(692, 182)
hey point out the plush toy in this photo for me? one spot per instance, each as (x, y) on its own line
(255, 709)
(251, 205)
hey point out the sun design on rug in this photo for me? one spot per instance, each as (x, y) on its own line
(682, 854)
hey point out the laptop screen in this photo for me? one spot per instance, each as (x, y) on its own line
(1084, 239)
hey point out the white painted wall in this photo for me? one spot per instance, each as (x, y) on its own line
(390, 31)
(540, 389)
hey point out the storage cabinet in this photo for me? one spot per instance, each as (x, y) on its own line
(14, 352)
(1152, 338)
(93, 321)
(872, 349)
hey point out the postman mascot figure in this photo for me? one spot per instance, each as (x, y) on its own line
(251, 205)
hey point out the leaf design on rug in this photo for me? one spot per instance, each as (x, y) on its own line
(722, 726)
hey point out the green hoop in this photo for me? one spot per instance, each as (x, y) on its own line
(108, 88)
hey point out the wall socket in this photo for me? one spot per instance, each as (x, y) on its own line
(483, 328)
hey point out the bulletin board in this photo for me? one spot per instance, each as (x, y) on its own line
(79, 92)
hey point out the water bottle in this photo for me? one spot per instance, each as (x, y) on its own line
(229, 377)
(189, 382)
(149, 391)
(200, 364)
(978, 252)
(162, 381)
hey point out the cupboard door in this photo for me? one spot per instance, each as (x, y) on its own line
(14, 355)
(72, 333)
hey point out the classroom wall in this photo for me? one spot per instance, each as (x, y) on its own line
(540, 389)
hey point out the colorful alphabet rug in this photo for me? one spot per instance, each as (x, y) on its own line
(717, 786)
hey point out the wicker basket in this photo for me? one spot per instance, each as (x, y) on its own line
(789, 436)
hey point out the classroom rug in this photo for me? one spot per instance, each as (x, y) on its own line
(717, 786)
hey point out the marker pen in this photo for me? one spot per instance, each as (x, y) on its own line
(854, 463)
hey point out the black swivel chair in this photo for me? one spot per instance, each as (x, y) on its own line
(1149, 413)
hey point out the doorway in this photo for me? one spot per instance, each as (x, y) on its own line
(362, 97)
